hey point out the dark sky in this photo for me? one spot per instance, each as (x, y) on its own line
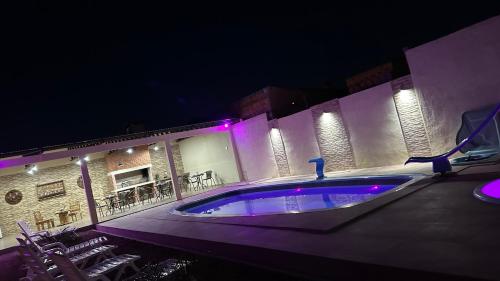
(71, 72)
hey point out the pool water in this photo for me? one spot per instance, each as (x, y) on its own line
(291, 199)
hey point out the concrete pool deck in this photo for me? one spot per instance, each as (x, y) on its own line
(437, 232)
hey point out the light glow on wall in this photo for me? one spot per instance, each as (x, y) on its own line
(31, 169)
(79, 162)
(130, 150)
(333, 137)
(326, 117)
(412, 122)
(279, 151)
(275, 133)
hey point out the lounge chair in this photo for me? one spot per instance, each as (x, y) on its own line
(95, 272)
(81, 258)
(70, 251)
(35, 236)
(39, 267)
(26, 228)
(440, 163)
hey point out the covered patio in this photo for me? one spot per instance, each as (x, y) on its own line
(85, 183)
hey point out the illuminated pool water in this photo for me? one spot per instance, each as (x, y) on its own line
(294, 198)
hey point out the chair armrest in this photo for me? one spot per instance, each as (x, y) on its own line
(54, 245)
(41, 235)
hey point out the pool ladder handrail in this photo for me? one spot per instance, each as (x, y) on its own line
(441, 163)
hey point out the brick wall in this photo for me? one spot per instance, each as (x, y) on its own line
(120, 159)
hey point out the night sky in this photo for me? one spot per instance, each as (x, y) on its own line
(71, 72)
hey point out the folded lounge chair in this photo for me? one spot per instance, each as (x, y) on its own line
(39, 267)
(95, 272)
(440, 163)
(92, 244)
(80, 259)
(39, 235)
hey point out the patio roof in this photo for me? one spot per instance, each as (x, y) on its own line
(115, 139)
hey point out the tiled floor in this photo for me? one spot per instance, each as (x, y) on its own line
(440, 231)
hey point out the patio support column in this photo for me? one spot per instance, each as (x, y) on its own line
(236, 155)
(173, 171)
(88, 191)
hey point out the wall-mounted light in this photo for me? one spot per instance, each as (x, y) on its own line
(31, 169)
(156, 148)
(406, 96)
(130, 150)
(226, 125)
(79, 161)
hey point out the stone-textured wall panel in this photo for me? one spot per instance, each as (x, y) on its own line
(299, 138)
(159, 162)
(412, 123)
(101, 183)
(374, 129)
(454, 74)
(279, 152)
(176, 152)
(333, 137)
(26, 183)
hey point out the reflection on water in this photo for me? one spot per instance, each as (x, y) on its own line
(291, 200)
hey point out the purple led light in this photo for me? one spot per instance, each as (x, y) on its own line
(226, 125)
(375, 187)
(298, 189)
(492, 189)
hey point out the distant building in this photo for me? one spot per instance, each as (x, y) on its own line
(377, 75)
(278, 102)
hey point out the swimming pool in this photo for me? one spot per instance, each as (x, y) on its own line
(297, 197)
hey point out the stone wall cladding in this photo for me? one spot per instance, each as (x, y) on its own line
(299, 138)
(27, 185)
(99, 179)
(120, 159)
(159, 162)
(374, 129)
(411, 118)
(279, 151)
(176, 152)
(333, 137)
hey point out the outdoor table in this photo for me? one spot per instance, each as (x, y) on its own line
(63, 217)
